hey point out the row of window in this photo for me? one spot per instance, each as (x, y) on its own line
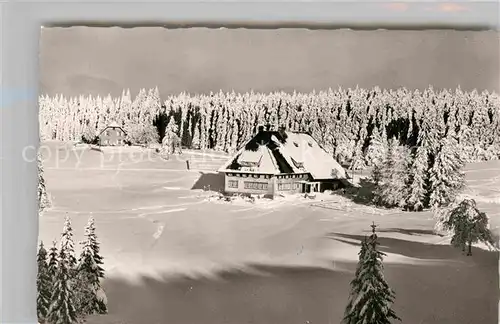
(267, 176)
(263, 185)
(256, 185)
(118, 142)
(244, 175)
(293, 176)
(248, 185)
(288, 186)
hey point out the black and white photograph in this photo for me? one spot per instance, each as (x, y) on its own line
(199, 175)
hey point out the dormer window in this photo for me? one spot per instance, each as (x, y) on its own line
(310, 144)
(298, 164)
(296, 144)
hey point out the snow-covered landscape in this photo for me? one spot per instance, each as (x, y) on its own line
(171, 251)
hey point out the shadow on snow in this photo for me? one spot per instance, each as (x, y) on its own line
(211, 181)
(460, 292)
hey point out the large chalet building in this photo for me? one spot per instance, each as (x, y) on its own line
(274, 162)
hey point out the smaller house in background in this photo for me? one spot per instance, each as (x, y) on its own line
(112, 135)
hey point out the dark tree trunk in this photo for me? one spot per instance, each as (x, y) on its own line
(469, 252)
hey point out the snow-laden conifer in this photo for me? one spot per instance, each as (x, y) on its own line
(43, 285)
(52, 260)
(446, 176)
(43, 197)
(89, 273)
(94, 245)
(62, 308)
(371, 298)
(393, 188)
(466, 224)
(418, 174)
(67, 248)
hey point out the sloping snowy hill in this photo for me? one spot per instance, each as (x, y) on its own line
(174, 255)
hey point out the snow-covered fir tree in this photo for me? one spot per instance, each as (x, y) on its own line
(375, 153)
(67, 246)
(357, 161)
(171, 129)
(196, 141)
(371, 298)
(391, 189)
(446, 176)
(382, 174)
(394, 188)
(93, 242)
(52, 260)
(142, 134)
(43, 285)
(62, 308)
(89, 134)
(466, 224)
(418, 173)
(43, 197)
(89, 273)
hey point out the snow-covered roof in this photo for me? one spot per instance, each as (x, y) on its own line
(285, 152)
(250, 157)
(319, 163)
(113, 124)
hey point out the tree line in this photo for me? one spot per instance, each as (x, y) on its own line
(344, 121)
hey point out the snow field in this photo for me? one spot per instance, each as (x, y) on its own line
(169, 249)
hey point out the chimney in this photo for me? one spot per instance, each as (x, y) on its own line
(282, 132)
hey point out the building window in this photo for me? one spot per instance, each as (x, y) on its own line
(232, 183)
(284, 186)
(256, 185)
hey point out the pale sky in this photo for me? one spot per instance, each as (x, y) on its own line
(85, 60)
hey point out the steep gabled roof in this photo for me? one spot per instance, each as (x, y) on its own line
(112, 124)
(319, 163)
(286, 152)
